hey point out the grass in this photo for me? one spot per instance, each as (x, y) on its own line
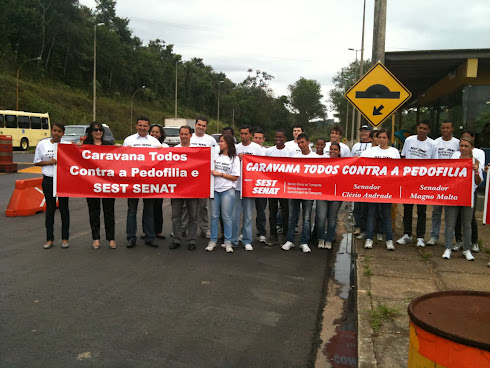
(382, 314)
(367, 267)
(426, 256)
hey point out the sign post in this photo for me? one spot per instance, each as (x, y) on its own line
(378, 94)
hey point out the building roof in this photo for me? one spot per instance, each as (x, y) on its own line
(418, 70)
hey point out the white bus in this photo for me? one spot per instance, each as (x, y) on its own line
(26, 128)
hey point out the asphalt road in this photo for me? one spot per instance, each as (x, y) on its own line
(147, 307)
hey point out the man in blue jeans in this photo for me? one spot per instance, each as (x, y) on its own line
(295, 204)
(141, 139)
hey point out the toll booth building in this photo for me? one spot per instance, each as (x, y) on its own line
(447, 84)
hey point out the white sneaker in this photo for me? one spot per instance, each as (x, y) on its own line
(321, 243)
(207, 234)
(248, 247)
(379, 237)
(262, 239)
(47, 245)
(467, 254)
(457, 247)
(475, 248)
(361, 235)
(432, 241)
(328, 245)
(420, 242)
(211, 246)
(447, 254)
(357, 231)
(287, 245)
(405, 239)
(389, 245)
(369, 244)
(305, 248)
(279, 229)
(65, 245)
(240, 237)
(228, 248)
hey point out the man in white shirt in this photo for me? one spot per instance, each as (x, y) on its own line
(293, 145)
(245, 204)
(189, 205)
(446, 146)
(420, 147)
(279, 150)
(201, 139)
(141, 139)
(335, 136)
(360, 208)
(260, 203)
(306, 204)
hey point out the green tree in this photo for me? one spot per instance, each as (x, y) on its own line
(305, 99)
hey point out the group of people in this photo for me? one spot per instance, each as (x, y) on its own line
(235, 213)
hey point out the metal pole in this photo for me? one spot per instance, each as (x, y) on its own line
(361, 68)
(353, 108)
(131, 121)
(219, 91)
(94, 93)
(176, 87)
(94, 82)
(18, 76)
(347, 120)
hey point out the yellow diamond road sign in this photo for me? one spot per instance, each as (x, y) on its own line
(378, 94)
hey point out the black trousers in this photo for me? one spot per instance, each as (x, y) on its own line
(157, 215)
(273, 206)
(407, 219)
(94, 215)
(51, 208)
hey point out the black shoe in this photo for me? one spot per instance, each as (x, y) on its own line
(191, 246)
(161, 236)
(174, 245)
(131, 243)
(152, 243)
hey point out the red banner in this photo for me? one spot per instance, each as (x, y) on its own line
(123, 172)
(442, 182)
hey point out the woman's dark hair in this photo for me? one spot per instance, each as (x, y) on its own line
(91, 127)
(382, 130)
(162, 132)
(338, 145)
(230, 142)
(59, 125)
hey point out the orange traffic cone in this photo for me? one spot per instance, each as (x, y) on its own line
(27, 198)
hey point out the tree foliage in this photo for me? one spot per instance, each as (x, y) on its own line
(305, 99)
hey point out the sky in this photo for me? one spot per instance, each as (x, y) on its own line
(294, 39)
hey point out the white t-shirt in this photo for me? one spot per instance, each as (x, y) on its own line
(359, 148)
(477, 153)
(415, 149)
(137, 140)
(445, 149)
(293, 146)
(45, 151)
(378, 152)
(250, 149)
(229, 166)
(205, 141)
(309, 155)
(276, 152)
(344, 150)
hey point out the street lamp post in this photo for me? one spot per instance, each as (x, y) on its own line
(353, 108)
(219, 90)
(361, 67)
(18, 75)
(132, 98)
(94, 82)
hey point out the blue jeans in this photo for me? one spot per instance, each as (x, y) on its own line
(294, 206)
(360, 215)
(385, 210)
(326, 211)
(222, 204)
(148, 218)
(436, 221)
(247, 206)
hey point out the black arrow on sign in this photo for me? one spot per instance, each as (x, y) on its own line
(377, 110)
